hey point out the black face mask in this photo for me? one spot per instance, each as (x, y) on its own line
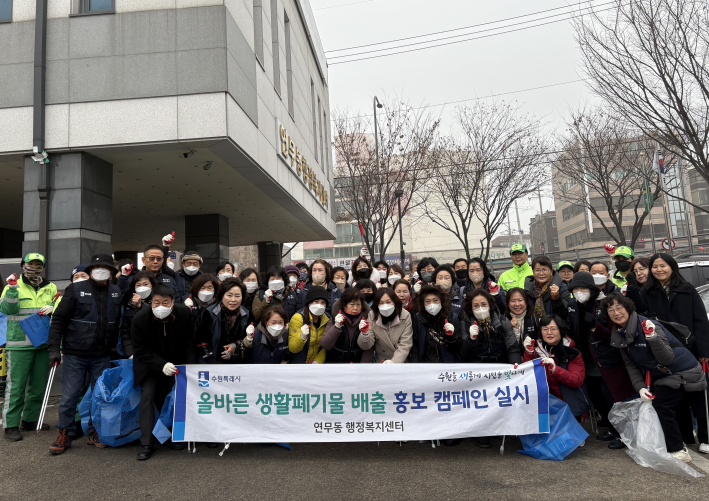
(427, 276)
(623, 265)
(369, 296)
(363, 273)
(462, 274)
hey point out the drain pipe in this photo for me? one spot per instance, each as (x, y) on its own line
(40, 71)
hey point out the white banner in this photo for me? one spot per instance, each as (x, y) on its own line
(358, 402)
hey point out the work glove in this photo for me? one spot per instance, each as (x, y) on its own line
(631, 280)
(304, 332)
(494, 288)
(168, 239)
(378, 285)
(126, 269)
(528, 344)
(387, 362)
(554, 290)
(646, 396)
(474, 331)
(417, 287)
(624, 289)
(268, 295)
(46, 310)
(363, 326)
(549, 364)
(649, 329)
(339, 319)
(55, 357)
(590, 319)
(130, 358)
(169, 369)
(448, 328)
(188, 302)
(248, 340)
(12, 280)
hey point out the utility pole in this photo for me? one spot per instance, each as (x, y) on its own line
(688, 226)
(541, 217)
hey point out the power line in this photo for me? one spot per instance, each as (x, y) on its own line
(454, 29)
(466, 34)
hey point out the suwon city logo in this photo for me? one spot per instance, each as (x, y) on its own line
(203, 379)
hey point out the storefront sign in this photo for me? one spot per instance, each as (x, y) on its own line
(291, 154)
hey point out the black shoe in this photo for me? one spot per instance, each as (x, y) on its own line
(606, 437)
(145, 452)
(484, 442)
(32, 426)
(616, 443)
(212, 445)
(452, 442)
(13, 434)
(175, 446)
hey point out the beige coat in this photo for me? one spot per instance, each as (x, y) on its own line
(392, 342)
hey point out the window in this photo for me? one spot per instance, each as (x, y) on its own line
(289, 66)
(578, 238)
(315, 122)
(556, 242)
(573, 211)
(325, 141)
(553, 223)
(275, 49)
(347, 233)
(700, 197)
(87, 6)
(258, 31)
(5, 11)
(321, 134)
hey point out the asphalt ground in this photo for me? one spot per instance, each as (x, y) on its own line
(384, 470)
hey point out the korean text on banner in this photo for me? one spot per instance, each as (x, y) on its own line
(36, 327)
(358, 402)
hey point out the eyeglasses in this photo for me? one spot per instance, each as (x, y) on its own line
(549, 330)
(155, 258)
(640, 268)
(618, 309)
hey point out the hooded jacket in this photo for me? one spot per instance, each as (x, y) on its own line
(309, 350)
(500, 346)
(558, 306)
(265, 350)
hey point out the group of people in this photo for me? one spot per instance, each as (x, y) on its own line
(590, 326)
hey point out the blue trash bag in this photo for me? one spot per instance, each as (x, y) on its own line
(164, 421)
(565, 434)
(113, 406)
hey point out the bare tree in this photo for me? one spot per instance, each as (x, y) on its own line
(649, 60)
(603, 169)
(366, 187)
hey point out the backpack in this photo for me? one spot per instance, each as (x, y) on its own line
(679, 331)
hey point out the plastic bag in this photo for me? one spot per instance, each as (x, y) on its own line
(164, 421)
(565, 434)
(640, 430)
(113, 405)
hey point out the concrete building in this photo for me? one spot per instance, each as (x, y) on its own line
(544, 234)
(206, 117)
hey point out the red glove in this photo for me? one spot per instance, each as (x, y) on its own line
(363, 326)
(648, 328)
(705, 367)
(127, 269)
(494, 288)
(448, 328)
(168, 239)
(12, 280)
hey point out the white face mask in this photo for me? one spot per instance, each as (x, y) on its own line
(382, 273)
(292, 281)
(251, 286)
(143, 291)
(393, 278)
(433, 309)
(600, 279)
(386, 309)
(191, 270)
(100, 274)
(318, 278)
(224, 276)
(276, 285)
(582, 297)
(171, 265)
(162, 312)
(482, 313)
(205, 296)
(416, 275)
(317, 309)
(275, 330)
(80, 280)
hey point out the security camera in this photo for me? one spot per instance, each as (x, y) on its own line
(189, 154)
(208, 165)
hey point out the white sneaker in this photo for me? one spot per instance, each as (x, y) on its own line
(682, 455)
(704, 448)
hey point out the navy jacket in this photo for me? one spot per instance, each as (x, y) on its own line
(264, 351)
(211, 321)
(500, 299)
(429, 349)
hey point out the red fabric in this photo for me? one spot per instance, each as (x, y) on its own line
(572, 377)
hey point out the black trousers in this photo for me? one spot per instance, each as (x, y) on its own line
(602, 400)
(153, 391)
(665, 404)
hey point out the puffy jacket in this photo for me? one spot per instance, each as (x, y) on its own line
(670, 364)
(183, 283)
(208, 328)
(342, 343)
(515, 277)
(266, 351)
(21, 302)
(430, 342)
(309, 350)
(333, 293)
(558, 306)
(500, 347)
(457, 295)
(500, 298)
(129, 311)
(288, 301)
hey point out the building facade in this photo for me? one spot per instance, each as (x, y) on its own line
(544, 234)
(205, 117)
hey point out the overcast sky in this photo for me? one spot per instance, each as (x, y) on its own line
(500, 64)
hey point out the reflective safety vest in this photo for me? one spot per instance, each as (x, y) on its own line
(21, 302)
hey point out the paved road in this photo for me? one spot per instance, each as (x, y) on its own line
(331, 471)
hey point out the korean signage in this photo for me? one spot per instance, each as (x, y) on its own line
(346, 263)
(292, 155)
(358, 402)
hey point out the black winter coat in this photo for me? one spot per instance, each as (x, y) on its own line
(500, 346)
(556, 306)
(129, 311)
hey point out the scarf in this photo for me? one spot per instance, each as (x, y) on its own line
(539, 293)
(201, 304)
(32, 273)
(520, 322)
(230, 317)
(409, 305)
(485, 325)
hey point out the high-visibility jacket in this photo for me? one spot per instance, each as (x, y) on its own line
(21, 302)
(515, 277)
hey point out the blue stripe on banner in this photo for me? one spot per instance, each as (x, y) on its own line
(542, 396)
(180, 393)
(178, 432)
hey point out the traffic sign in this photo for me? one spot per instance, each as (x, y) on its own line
(666, 246)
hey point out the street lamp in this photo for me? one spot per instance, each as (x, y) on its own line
(376, 105)
(398, 194)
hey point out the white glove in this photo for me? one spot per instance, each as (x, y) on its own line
(268, 294)
(188, 302)
(528, 344)
(624, 289)
(316, 362)
(304, 332)
(248, 340)
(474, 331)
(648, 329)
(169, 369)
(130, 358)
(12, 281)
(339, 320)
(250, 330)
(494, 288)
(126, 269)
(550, 362)
(417, 287)
(387, 362)
(46, 310)
(448, 327)
(168, 239)
(378, 285)
(363, 326)
(646, 396)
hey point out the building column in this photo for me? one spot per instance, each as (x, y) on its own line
(80, 213)
(269, 254)
(208, 235)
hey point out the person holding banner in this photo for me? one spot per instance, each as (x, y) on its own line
(307, 327)
(390, 332)
(85, 329)
(341, 338)
(433, 339)
(278, 292)
(269, 343)
(320, 276)
(27, 374)
(136, 297)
